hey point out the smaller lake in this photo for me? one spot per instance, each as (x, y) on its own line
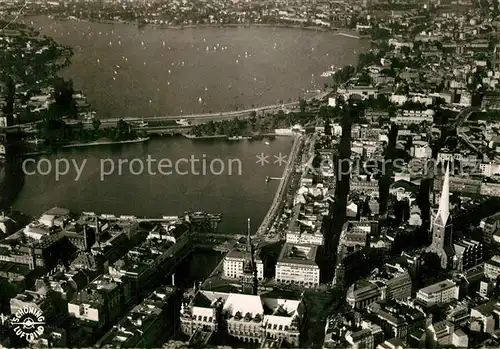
(238, 192)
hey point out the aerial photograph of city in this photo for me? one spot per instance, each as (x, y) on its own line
(250, 174)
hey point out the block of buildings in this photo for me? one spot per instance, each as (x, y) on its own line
(408, 117)
(102, 301)
(302, 229)
(148, 324)
(297, 264)
(393, 282)
(444, 333)
(485, 317)
(249, 318)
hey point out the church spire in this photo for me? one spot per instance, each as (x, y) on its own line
(444, 202)
(249, 282)
(249, 242)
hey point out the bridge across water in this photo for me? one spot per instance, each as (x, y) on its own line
(200, 117)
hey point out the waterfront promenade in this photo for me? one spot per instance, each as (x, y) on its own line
(281, 191)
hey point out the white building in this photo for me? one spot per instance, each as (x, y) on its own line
(443, 333)
(363, 91)
(440, 293)
(296, 264)
(450, 156)
(492, 267)
(398, 99)
(489, 169)
(233, 265)
(408, 117)
(101, 301)
(249, 318)
(421, 150)
(304, 237)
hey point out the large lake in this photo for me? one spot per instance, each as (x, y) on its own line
(126, 71)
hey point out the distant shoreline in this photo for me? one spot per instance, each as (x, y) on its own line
(338, 31)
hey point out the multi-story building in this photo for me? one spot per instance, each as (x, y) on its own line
(392, 323)
(490, 189)
(296, 234)
(468, 253)
(391, 283)
(361, 339)
(409, 117)
(468, 159)
(489, 225)
(367, 186)
(492, 267)
(355, 235)
(102, 300)
(305, 237)
(489, 169)
(297, 264)
(484, 318)
(393, 343)
(363, 91)
(421, 150)
(439, 293)
(234, 262)
(148, 324)
(491, 101)
(443, 333)
(249, 318)
(143, 263)
(470, 185)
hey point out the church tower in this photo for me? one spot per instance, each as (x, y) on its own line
(249, 277)
(442, 243)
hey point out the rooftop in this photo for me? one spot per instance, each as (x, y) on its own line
(438, 286)
(132, 327)
(299, 254)
(495, 260)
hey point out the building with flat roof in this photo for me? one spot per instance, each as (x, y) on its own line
(297, 232)
(492, 267)
(442, 292)
(234, 262)
(148, 324)
(393, 282)
(102, 300)
(297, 264)
(468, 253)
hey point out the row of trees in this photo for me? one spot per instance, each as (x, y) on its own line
(256, 124)
(56, 132)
